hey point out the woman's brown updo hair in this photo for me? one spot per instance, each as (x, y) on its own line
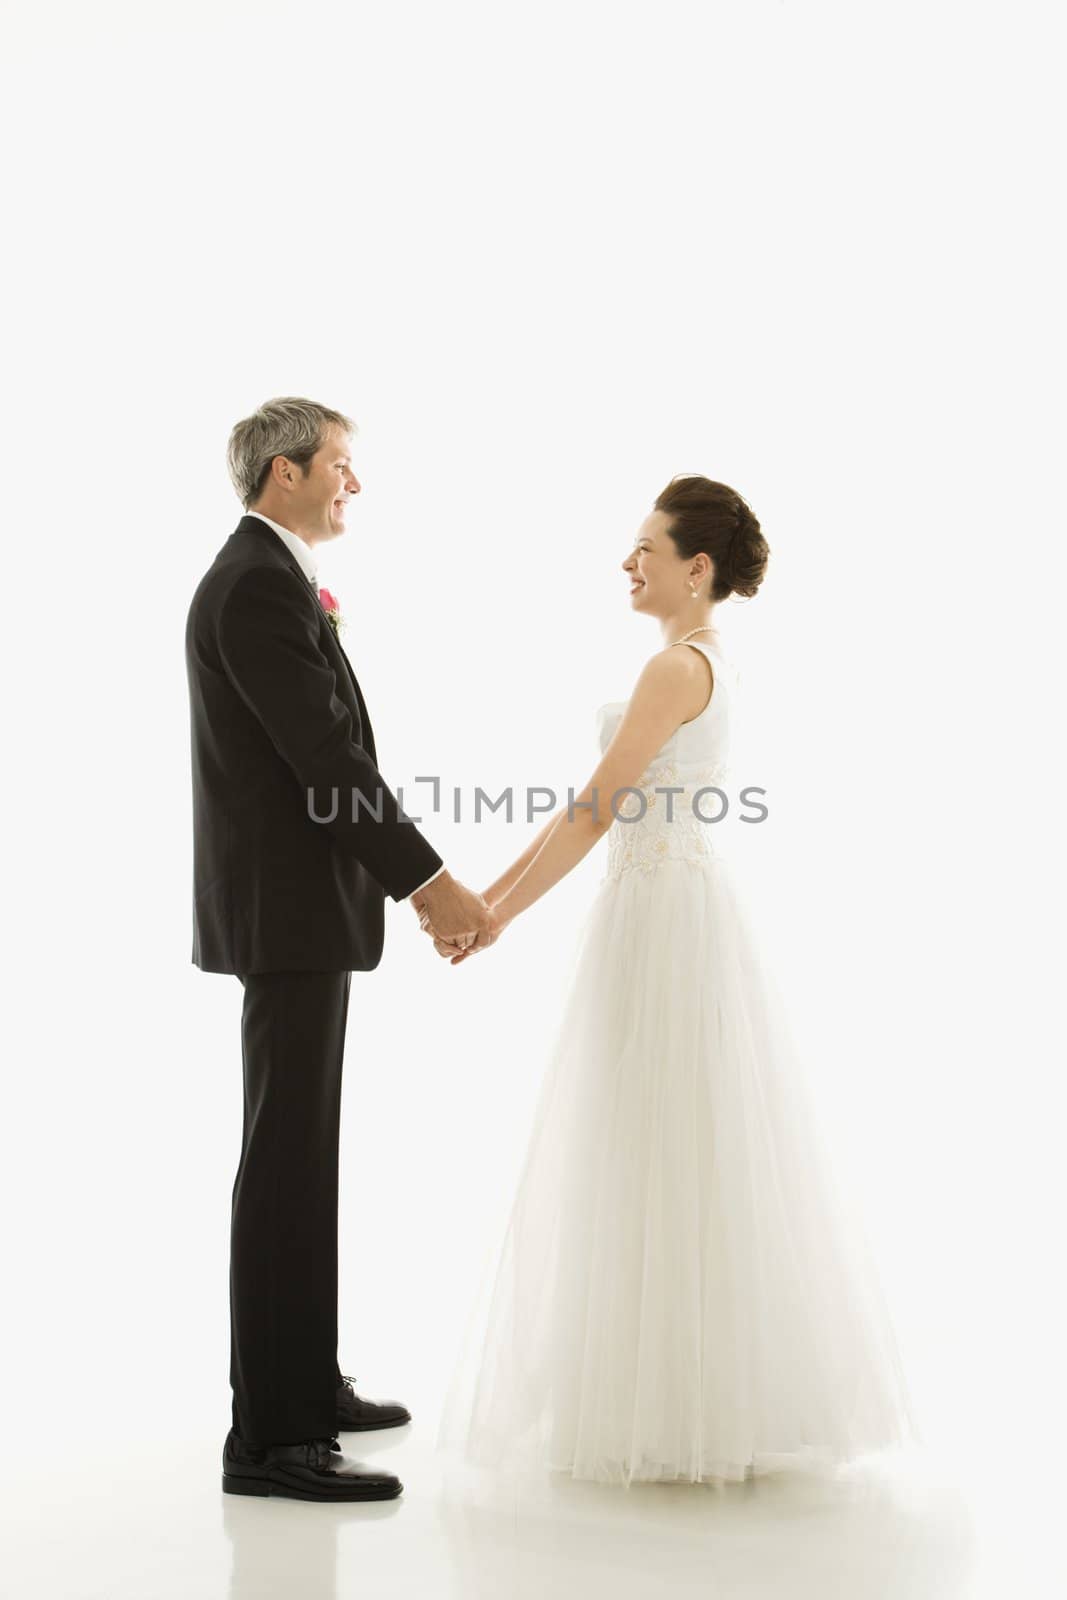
(712, 518)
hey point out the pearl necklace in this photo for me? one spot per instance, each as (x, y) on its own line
(704, 628)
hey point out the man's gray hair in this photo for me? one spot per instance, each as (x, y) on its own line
(288, 427)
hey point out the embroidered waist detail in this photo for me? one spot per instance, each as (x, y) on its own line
(668, 818)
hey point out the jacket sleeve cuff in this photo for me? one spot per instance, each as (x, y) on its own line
(437, 874)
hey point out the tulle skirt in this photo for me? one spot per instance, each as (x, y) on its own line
(682, 1292)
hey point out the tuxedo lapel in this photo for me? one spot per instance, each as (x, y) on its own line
(364, 714)
(258, 528)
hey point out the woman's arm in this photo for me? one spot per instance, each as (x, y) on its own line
(497, 890)
(671, 690)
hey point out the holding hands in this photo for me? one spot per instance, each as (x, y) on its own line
(458, 921)
(461, 923)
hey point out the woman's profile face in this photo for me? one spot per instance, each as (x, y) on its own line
(658, 574)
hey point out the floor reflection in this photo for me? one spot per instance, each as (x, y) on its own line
(858, 1532)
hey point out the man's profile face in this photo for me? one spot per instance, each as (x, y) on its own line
(323, 490)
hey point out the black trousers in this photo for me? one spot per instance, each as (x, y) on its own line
(283, 1230)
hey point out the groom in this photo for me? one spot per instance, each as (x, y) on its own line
(293, 905)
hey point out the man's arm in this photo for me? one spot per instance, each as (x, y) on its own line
(268, 644)
(425, 885)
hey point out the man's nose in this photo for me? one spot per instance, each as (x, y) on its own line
(353, 483)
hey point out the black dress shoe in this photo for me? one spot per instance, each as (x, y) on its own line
(314, 1470)
(354, 1414)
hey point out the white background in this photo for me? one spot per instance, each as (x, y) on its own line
(547, 257)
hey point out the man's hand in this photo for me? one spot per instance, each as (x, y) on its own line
(449, 911)
(457, 954)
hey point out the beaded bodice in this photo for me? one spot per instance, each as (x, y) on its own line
(653, 826)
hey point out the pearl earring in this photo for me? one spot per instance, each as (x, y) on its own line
(692, 591)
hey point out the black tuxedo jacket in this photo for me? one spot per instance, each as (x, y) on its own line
(275, 712)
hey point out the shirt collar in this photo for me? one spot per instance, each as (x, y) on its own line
(295, 545)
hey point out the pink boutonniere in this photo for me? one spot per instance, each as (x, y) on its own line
(332, 607)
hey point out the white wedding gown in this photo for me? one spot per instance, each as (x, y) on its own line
(681, 1292)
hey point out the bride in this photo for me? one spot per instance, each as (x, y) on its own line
(681, 1293)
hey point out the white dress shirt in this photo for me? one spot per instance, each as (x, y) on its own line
(303, 553)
